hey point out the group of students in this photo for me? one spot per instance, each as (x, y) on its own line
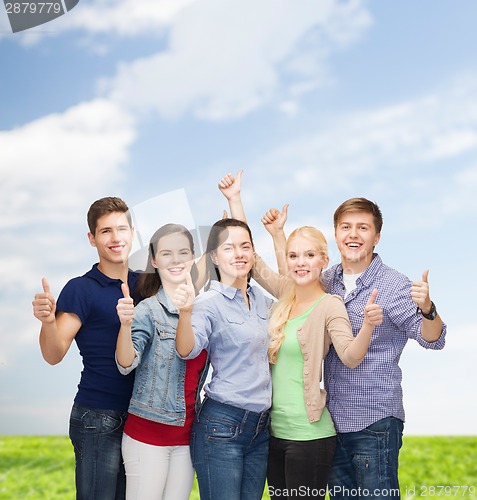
(139, 426)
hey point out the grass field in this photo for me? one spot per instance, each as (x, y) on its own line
(43, 468)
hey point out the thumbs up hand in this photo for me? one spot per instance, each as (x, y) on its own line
(44, 304)
(184, 295)
(420, 293)
(230, 186)
(274, 220)
(125, 307)
(373, 312)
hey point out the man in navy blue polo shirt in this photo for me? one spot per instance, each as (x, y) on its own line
(86, 312)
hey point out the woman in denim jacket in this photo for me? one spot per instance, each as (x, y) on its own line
(166, 389)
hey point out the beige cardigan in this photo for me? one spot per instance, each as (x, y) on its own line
(327, 324)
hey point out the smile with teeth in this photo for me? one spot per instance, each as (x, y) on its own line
(353, 245)
(239, 264)
(117, 248)
(302, 272)
(176, 270)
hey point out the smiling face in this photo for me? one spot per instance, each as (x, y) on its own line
(234, 256)
(306, 258)
(174, 258)
(356, 237)
(112, 238)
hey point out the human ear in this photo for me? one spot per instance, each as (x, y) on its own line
(91, 239)
(326, 261)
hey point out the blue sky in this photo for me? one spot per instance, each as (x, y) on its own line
(318, 101)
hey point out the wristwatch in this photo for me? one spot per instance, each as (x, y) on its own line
(432, 313)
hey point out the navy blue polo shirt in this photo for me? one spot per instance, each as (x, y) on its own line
(93, 298)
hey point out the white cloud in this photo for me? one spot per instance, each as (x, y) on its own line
(51, 171)
(125, 17)
(61, 159)
(380, 146)
(226, 59)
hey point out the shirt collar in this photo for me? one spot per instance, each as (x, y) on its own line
(101, 278)
(165, 301)
(368, 274)
(228, 291)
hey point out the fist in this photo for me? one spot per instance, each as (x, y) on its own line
(420, 293)
(373, 312)
(44, 304)
(184, 295)
(274, 220)
(125, 307)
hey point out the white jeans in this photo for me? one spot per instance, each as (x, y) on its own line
(156, 472)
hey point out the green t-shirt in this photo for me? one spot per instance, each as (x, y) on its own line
(288, 413)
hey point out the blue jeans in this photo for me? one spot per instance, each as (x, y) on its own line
(96, 435)
(366, 462)
(229, 449)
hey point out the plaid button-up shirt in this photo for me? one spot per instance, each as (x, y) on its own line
(361, 396)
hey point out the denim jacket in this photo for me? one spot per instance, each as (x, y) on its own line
(158, 393)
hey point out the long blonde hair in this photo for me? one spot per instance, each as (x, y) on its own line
(281, 310)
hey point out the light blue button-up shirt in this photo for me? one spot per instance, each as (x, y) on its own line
(236, 339)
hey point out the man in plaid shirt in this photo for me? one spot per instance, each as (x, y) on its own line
(366, 402)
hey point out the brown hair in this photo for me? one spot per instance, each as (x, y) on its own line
(150, 281)
(360, 205)
(105, 206)
(218, 234)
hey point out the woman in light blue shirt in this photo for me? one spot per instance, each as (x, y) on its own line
(230, 434)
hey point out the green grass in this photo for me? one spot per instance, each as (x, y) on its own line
(43, 468)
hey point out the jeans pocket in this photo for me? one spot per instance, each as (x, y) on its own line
(97, 422)
(218, 430)
(369, 471)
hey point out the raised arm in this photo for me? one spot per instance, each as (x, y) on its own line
(183, 300)
(274, 223)
(57, 331)
(230, 187)
(431, 327)
(125, 353)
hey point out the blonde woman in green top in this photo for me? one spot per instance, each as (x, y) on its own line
(304, 323)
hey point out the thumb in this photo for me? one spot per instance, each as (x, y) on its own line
(372, 297)
(46, 286)
(239, 175)
(285, 210)
(189, 280)
(225, 215)
(425, 275)
(125, 290)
